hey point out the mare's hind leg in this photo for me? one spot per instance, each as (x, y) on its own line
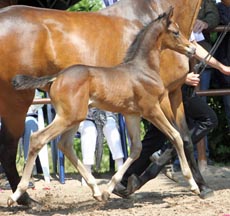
(13, 109)
(133, 127)
(157, 117)
(66, 146)
(8, 151)
(37, 141)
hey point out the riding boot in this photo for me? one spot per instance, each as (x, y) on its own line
(135, 182)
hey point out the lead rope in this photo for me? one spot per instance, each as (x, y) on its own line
(200, 67)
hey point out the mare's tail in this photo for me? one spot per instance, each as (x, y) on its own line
(21, 82)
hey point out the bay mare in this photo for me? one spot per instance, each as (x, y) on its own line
(133, 88)
(42, 41)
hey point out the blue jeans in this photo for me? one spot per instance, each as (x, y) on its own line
(205, 80)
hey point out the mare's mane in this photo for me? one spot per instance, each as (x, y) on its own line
(136, 44)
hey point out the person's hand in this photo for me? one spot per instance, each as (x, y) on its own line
(225, 70)
(192, 79)
(199, 26)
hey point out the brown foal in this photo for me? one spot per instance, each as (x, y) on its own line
(133, 88)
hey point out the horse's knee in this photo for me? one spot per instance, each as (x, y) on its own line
(35, 144)
(136, 151)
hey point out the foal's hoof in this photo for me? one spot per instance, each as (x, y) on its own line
(206, 193)
(98, 198)
(196, 190)
(10, 202)
(105, 196)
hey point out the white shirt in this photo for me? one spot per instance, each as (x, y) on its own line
(196, 36)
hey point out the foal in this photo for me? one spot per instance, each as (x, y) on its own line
(133, 88)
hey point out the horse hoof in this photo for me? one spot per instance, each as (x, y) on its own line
(98, 198)
(196, 191)
(105, 196)
(206, 193)
(10, 202)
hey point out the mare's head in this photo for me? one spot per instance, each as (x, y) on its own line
(172, 38)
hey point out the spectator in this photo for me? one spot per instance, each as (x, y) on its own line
(99, 122)
(109, 2)
(208, 18)
(223, 55)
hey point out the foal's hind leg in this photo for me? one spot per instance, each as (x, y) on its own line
(66, 146)
(37, 141)
(133, 127)
(158, 118)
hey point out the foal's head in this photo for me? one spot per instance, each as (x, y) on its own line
(160, 34)
(172, 38)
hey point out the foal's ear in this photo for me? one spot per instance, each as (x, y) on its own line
(169, 15)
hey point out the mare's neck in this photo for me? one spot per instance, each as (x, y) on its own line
(144, 11)
(134, 10)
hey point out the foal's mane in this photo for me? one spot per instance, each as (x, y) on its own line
(136, 44)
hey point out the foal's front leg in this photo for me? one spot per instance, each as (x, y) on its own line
(158, 118)
(66, 146)
(133, 127)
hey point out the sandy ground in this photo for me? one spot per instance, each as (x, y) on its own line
(158, 197)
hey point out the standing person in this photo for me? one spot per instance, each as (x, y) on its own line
(208, 18)
(143, 169)
(96, 123)
(223, 55)
(109, 2)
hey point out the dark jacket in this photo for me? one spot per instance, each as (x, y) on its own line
(209, 14)
(223, 51)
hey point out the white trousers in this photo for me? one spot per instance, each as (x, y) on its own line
(89, 137)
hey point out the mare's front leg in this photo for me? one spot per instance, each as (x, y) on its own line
(133, 127)
(66, 146)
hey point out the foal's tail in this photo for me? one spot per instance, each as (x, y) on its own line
(21, 82)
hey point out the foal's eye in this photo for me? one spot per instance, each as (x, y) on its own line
(176, 33)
